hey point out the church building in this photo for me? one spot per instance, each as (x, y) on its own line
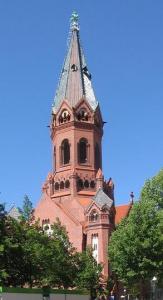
(76, 191)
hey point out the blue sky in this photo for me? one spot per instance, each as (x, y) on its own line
(123, 45)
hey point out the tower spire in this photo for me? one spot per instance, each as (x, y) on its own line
(75, 80)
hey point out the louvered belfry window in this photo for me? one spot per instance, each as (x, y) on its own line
(82, 151)
(65, 152)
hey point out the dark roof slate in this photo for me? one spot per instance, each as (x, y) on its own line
(102, 199)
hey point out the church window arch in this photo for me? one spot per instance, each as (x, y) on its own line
(95, 245)
(80, 184)
(67, 184)
(62, 185)
(47, 227)
(56, 186)
(83, 151)
(92, 184)
(64, 116)
(86, 184)
(93, 217)
(65, 152)
(82, 115)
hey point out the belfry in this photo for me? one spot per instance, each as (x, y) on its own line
(75, 191)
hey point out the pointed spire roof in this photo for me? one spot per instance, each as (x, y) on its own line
(75, 80)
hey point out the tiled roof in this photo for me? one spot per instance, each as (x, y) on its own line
(101, 198)
(87, 193)
(122, 211)
(85, 201)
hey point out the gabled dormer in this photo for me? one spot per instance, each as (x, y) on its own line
(83, 111)
(64, 113)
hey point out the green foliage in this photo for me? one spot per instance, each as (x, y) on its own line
(89, 272)
(27, 209)
(30, 257)
(136, 247)
(60, 259)
(3, 273)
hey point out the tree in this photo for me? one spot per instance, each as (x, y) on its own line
(136, 247)
(35, 246)
(22, 253)
(3, 273)
(89, 272)
(12, 255)
(27, 209)
(29, 257)
(62, 268)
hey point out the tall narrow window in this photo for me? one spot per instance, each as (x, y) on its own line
(97, 157)
(82, 151)
(65, 152)
(95, 245)
(84, 242)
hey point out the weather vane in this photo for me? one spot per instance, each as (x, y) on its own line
(74, 21)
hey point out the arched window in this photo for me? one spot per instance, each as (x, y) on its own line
(92, 184)
(80, 184)
(86, 184)
(67, 184)
(82, 115)
(97, 157)
(82, 151)
(95, 245)
(47, 227)
(64, 116)
(65, 152)
(93, 217)
(62, 185)
(56, 186)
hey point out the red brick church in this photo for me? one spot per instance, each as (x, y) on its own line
(76, 191)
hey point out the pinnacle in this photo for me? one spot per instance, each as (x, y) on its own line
(99, 174)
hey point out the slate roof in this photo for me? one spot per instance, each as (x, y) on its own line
(75, 80)
(102, 199)
(14, 213)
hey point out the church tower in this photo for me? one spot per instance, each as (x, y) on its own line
(75, 191)
(77, 125)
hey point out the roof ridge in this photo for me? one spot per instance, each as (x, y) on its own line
(123, 204)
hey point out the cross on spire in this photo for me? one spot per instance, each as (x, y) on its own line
(74, 21)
